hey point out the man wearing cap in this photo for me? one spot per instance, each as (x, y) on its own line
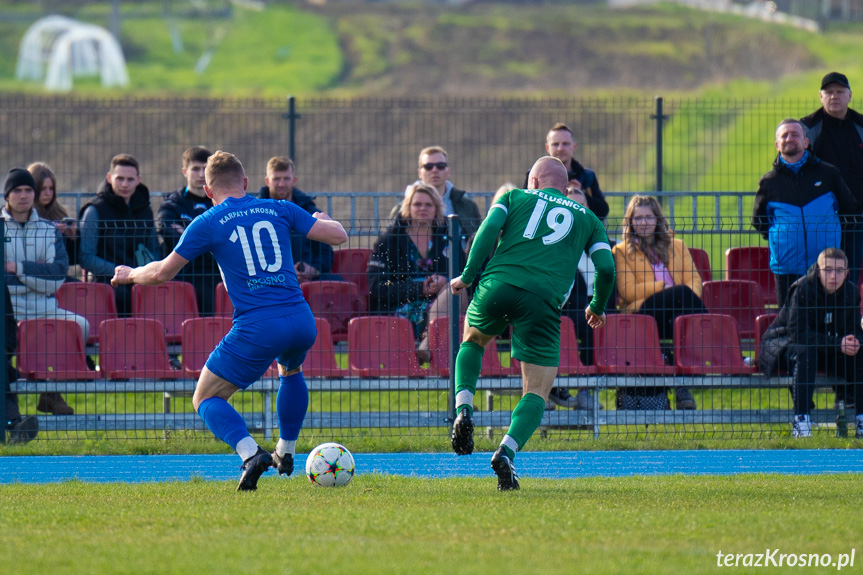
(836, 136)
(36, 266)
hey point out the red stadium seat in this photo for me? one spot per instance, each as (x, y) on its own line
(200, 337)
(628, 344)
(321, 359)
(708, 344)
(93, 301)
(134, 348)
(570, 361)
(223, 307)
(382, 346)
(702, 263)
(336, 302)
(752, 263)
(439, 347)
(741, 299)
(171, 303)
(352, 264)
(52, 349)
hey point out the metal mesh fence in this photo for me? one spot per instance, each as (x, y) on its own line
(132, 374)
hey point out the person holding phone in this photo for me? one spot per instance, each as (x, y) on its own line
(50, 209)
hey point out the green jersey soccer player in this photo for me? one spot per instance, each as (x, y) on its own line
(542, 236)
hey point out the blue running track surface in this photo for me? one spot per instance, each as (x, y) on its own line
(552, 465)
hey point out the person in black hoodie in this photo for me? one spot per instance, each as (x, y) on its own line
(21, 429)
(818, 329)
(836, 135)
(117, 228)
(312, 260)
(177, 211)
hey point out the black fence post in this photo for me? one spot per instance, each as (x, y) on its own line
(453, 270)
(292, 118)
(659, 117)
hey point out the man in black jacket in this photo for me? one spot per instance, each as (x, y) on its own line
(20, 429)
(177, 211)
(117, 228)
(818, 329)
(312, 260)
(559, 143)
(836, 136)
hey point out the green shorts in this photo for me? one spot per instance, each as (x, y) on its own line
(535, 321)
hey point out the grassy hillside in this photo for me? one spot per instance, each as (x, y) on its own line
(483, 49)
(273, 52)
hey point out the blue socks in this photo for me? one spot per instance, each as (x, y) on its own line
(292, 402)
(223, 420)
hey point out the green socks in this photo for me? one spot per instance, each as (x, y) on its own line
(468, 364)
(526, 418)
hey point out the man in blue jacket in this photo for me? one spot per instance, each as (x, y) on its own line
(799, 207)
(312, 260)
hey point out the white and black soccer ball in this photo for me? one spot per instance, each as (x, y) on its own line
(330, 465)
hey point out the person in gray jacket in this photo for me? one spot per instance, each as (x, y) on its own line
(36, 265)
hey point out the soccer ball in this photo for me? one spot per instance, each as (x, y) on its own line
(330, 465)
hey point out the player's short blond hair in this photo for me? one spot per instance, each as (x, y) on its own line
(224, 171)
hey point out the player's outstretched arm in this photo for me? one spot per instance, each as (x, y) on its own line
(154, 273)
(327, 230)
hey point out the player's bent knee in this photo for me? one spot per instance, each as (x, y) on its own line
(284, 372)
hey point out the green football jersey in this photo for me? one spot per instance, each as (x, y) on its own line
(542, 240)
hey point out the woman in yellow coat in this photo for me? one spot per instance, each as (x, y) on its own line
(655, 273)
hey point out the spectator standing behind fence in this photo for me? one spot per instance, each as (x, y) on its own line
(525, 285)
(312, 260)
(657, 277)
(798, 206)
(560, 144)
(36, 266)
(117, 228)
(408, 267)
(434, 171)
(177, 211)
(818, 329)
(20, 429)
(271, 318)
(835, 134)
(52, 210)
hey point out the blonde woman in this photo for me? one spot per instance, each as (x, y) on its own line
(408, 267)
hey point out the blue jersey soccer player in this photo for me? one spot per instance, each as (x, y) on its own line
(250, 239)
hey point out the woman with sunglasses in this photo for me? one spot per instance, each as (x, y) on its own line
(655, 276)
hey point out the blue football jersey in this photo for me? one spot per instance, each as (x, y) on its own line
(251, 241)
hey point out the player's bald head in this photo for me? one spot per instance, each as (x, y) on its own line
(548, 172)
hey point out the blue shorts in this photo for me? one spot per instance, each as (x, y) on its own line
(247, 352)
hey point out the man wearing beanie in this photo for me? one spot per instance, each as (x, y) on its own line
(117, 228)
(836, 136)
(36, 266)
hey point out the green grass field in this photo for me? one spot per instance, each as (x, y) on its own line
(386, 524)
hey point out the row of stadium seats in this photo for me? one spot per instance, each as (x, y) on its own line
(378, 346)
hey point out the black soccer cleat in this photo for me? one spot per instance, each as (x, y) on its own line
(462, 433)
(23, 429)
(253, 468)
(507, 479)
(285, 463)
